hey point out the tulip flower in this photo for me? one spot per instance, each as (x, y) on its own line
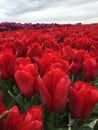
(2, 110)
(89, 69)
(76, 65)
(7, 64)
(54, 88)
(67, 53)
(83, 97)
(13, 120)
(83, 43)
(19, 47)
(26, 79)
(34, 51)
(46, 60)
(31, 119)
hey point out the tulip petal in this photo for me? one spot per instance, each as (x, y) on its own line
(45, 96)
(60, 94)
(35, 112)
(25, 82)
(34, 125)
(75, 103)
(14, 119)
(90, 102)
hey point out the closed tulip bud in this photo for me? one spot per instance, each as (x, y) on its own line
(83, 97)
(26, 79)
(89, 69)
(54, 88)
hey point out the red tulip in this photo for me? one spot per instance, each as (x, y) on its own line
(22, 61)
(19, 47)
(89, 69)
(76, 65)
(83, 43)
(67, 53)
(2, 110)
(83, 97)
(26, 79)
(13, 120)
(46, 60)
(31, 119)
(7, 64)
(53, 86)
(34, 51)
(61, 64)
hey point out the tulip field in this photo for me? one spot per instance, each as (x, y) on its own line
(48, 76)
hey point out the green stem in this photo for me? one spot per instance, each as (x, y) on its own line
(69, 124)
(51, 121)
(75, 124)
(72, 79)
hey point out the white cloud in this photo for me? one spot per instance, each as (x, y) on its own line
(53, 11)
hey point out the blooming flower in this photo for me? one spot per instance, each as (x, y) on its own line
(31, 119)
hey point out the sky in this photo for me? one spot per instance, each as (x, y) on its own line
(49, 11)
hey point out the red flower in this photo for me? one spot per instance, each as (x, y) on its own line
(30, 120)
(22, 61)
(61, 64)
(83, 43)
(26, 79)
(2, 110)
(7, 64)
(46, 60)
(67, 53)
(13, 120)
(34, 51)
(76, 65)
(19, 47)
(53, 86)
(83, 97)
(89, 69)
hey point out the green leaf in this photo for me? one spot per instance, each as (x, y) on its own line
(4, 87)
(12, 102)
(83, 128)
(4, 115)
(17, 101)
(91, 125)
(60, 129)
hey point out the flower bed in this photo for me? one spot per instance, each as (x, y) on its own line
(10, 26)
(49, 78)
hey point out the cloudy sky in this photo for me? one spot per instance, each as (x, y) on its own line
(49, 11)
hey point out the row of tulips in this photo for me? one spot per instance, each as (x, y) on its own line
(48, 78)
